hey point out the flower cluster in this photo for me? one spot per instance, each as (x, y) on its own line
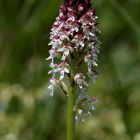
(75, 45)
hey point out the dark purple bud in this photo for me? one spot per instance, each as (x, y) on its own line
(87, 1)
(81, 7)
(70, 2)
(63, 8)
(81, 1)
(63, 18)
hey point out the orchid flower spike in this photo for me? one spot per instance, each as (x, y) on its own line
(75, 45)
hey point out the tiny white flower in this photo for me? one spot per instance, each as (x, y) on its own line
(80, 79)
(54, 82)
(53, 54)
(64, 68)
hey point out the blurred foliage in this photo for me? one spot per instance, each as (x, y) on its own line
(27, 112)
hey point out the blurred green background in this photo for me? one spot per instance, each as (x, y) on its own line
(27, 112)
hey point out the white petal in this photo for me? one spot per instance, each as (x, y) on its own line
(50, 72)
(62, 75)
(66, 70)
(49, 58)
(52, 92)
(92, 34)
(50, 87)
(67, 52)
(63, 57)
(50, 43)
(95, 64)
(82, 44)
(60, 49)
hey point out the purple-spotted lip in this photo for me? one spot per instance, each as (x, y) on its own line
(54, 65)
(52, 50)
(54, 80)
(79, 75)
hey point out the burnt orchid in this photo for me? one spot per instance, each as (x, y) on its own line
(73, 55)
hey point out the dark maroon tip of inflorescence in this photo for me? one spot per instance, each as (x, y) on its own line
(70, 2)
(84, 1)
(76, 2)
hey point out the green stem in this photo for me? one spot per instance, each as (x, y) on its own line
(71, 115)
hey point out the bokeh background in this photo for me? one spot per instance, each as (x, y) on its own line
(27, 112)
